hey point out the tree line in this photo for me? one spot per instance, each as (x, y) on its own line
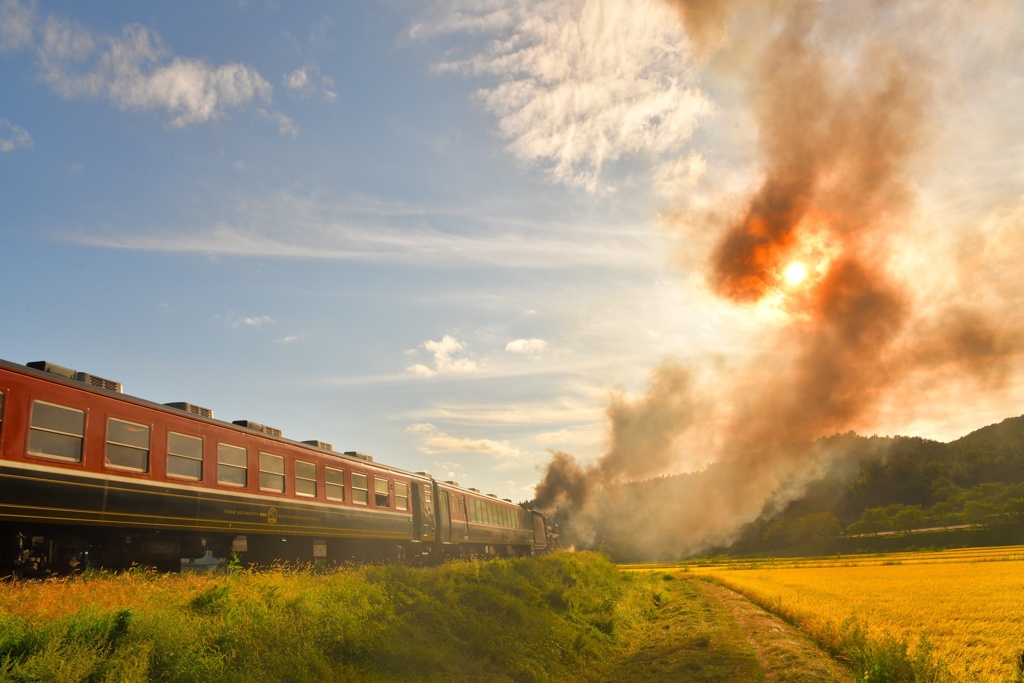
(876, 486)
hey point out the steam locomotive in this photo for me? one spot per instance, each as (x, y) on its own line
(90, 476)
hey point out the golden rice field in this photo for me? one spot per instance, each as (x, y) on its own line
(969, 603)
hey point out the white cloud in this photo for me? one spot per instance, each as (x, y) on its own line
(16, 22)
(485, 20)
(435, 442)
(680, 174)
(290, 338)
(585, 82)
(284, 124)
(135, 71)
(236, 322)
(307, 81)
(12, 137)
(421, 370)
(443, 443)
(298, 82)
(528, 347)
(450, 357)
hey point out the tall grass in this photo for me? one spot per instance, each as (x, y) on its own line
(884, 658)
(533, 619)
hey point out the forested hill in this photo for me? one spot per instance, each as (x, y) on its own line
(890, 489)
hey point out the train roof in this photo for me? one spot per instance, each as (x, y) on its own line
(59, 374)
(453, 485)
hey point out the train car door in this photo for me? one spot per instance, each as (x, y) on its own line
(424, 524)
(445, 517)
(540, 534)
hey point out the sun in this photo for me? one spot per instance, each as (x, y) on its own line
(795, 273)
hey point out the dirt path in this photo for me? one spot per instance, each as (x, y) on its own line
(704, 633)
(785, 654)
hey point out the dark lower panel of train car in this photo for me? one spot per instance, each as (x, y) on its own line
(64, 519)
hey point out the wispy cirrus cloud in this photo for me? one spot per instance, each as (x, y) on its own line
(579, 84)
(12, 137)
(16, 25)
(287, 225)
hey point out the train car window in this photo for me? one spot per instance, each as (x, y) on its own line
(381, 497)
(334, 483)
(426, 494)
(305, 479)
(401, 495)
(184, 456)
(127, 445)
(231, 465)
(360, 489)
(56, 431)
(271, 473)
(1, 408)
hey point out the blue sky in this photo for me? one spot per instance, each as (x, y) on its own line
(450, 234)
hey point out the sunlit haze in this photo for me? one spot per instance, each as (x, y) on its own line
(465, 235)
(795, 273)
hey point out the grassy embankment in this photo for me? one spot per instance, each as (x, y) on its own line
(555, 618)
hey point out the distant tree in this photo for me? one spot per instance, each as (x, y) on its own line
(1014, 508)
(980, 512)
(943, 513)
(814, 533)
(909, 518)
(871, 522)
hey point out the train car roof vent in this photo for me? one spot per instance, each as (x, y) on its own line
(256, 426)
(108, 384)
(190, 408)
(475, 490)
(322, 445)
(68, 373)
(425, 474)
(507, 500)
(453, 483)
(361, 456)
(491, 495)
(53, 369)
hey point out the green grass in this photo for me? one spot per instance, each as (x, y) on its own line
(564, 617)
(536, 619)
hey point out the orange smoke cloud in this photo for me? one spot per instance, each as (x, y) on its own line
(837, 129)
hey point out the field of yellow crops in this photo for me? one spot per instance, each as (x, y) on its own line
(968, 603)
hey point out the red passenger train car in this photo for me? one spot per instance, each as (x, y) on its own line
(90, 476)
